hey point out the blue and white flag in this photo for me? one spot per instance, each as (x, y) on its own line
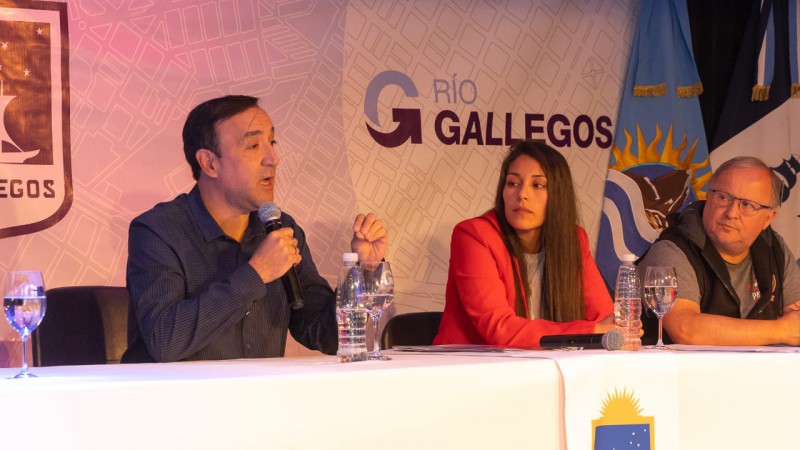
(660, 155)
(760, 117)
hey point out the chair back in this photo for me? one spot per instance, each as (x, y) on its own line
(82, 325)
(416, 328)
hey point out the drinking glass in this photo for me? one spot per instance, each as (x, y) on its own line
(660, 287)
(379, 291)
(24, 304)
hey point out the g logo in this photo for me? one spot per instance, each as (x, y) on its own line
(409, 120)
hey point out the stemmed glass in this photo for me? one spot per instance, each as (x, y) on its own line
(24, 304)
(379, 290)
(660, 287)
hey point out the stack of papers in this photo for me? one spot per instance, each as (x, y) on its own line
(453, 348)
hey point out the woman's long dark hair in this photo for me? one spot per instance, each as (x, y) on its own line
(561, 296)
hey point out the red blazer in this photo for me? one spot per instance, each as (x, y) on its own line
(480, 298)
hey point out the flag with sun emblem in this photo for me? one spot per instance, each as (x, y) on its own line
(659, 162)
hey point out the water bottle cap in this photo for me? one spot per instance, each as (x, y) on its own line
(350, 257)
(629, 257)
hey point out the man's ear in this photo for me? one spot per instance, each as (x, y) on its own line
(770, 216)
(207, 161)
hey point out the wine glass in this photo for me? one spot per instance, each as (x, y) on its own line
(379, 292)
(660, 287)
(24, 303)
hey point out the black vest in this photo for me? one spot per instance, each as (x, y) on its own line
(717, 295)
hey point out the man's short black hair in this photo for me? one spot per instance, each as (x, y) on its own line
(199, 131)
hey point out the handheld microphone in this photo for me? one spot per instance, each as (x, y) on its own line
(270, 214)
(612, 340)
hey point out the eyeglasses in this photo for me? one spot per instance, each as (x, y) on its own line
(747, 207)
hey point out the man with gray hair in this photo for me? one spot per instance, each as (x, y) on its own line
(738, 282)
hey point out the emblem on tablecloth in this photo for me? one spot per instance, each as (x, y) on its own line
(621, 425)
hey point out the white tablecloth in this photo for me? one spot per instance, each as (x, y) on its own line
(537, 400)
(413, 401)
(696, 399)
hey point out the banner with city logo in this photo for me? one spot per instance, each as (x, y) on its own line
(405, 109)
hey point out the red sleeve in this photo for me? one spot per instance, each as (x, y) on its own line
(483, 273)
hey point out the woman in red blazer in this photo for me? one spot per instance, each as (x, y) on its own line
(524, 270)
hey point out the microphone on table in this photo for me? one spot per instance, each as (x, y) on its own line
(270, 214)
(612, 340)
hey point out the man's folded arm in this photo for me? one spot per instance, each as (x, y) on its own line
(687, 325)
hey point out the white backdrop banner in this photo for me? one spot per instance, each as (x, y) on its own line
(402, 108)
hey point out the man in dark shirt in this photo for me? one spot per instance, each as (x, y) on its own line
(738, 282)
(204, 276)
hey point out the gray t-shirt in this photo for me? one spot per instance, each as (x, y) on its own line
(535, 264)
(666, 253)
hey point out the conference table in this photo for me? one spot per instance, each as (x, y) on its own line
(680, 399)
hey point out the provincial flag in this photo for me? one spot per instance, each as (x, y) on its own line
(659, 161)
(760, 117)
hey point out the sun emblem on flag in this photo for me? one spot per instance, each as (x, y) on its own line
(664, 179)
(621, 425)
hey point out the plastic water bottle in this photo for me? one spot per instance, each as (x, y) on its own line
(351, 313)
(628, 303)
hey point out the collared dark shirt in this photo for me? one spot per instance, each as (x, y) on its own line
(195, 297)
